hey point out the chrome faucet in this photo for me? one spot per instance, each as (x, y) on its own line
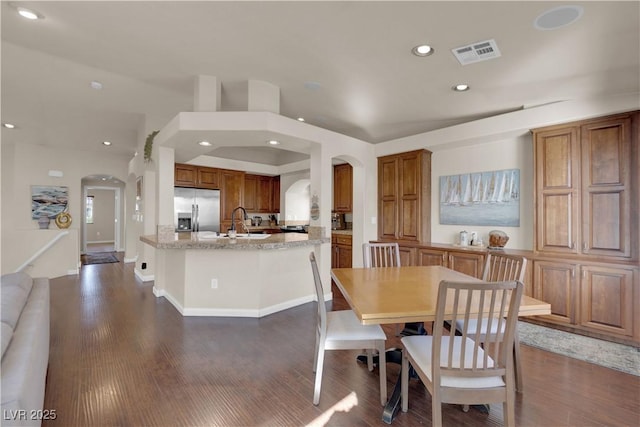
(233, 217)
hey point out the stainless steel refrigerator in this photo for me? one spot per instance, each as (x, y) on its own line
(196, 209)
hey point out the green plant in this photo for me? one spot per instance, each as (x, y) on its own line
(148, 145)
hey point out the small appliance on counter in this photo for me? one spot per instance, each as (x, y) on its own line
(337, 221)
(256, 221)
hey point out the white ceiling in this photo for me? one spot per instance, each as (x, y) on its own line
(343, 66)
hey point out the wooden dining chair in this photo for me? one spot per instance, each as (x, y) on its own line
(387, 255)
(498, 268)
(381, 255)
(458, 369)
(341, 330)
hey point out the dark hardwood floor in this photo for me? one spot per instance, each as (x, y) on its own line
(122, 357)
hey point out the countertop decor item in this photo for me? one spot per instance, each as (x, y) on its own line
(148, 145)
(63, 220)
(497, 239)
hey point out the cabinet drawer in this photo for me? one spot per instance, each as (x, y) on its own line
(341, 239)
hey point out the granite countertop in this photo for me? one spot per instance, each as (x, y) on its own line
(204, 240)
(348, 232)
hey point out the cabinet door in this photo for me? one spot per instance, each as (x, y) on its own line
(607, 299)
(557, 178)
(275, 194)
(345, 256)
(185, 175)
(407, 256)
(250, 192)
(208, 178)
(606, 179)
(387, 197)
(342, 187)
(334, 256)
(263, 194)
(467, 263)
(555, 283)
(432, 257)
(231, 195)
(409, 197)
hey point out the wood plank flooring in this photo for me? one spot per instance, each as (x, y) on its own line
(122, 357)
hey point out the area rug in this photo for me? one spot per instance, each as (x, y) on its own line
(99, 258)
(621, 357)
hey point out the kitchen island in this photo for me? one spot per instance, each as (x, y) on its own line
(203, 274)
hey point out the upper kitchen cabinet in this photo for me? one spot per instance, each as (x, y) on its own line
(343, 188)
(585, 195)
(258, 193)
(404, 196)
(275, 194)
(196, 176)
(231, 196)
(185, 175)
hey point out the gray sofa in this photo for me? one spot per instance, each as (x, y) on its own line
(25, 348)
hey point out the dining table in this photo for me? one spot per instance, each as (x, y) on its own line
(393, 295)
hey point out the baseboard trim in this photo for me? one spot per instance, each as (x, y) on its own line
(233, 312)
(141, 276)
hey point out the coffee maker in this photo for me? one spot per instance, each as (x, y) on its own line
(337, 221)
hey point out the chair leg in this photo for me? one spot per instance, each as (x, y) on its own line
(369, 359)
(319, 365)
(436, 409)
(315, 356)
(517, 362)
(404, 384)
(382, 371)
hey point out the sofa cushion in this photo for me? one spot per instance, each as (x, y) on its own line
(14, 296)
(7, 333)
(22, 280)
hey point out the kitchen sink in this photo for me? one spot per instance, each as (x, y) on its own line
(252, 236)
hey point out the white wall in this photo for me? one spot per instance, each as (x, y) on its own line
(514, 153)
(25, 165)
(104, 209)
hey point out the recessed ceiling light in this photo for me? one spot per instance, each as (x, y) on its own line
(9, 125)
(29, 14)
(273, 142)
(460, 88)
(423, 50)
(107, 143)
(204, 143)
(558, 17)
(301, 119)
(96, 85)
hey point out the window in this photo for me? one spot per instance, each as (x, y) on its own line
(89, 210)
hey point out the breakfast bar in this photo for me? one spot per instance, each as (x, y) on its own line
(252, 275)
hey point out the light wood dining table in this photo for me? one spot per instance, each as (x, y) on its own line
(392, 295)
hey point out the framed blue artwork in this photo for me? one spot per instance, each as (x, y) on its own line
(48, 200)
(481, 198)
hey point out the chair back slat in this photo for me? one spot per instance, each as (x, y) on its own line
(503, 267)
(491, 305)
(381, 255)
(322, 308)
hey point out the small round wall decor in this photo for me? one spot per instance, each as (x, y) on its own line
(63, 220)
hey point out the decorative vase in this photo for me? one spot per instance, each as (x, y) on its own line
(43, 222)
(497, 239)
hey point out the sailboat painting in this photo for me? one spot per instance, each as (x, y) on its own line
(481, 198)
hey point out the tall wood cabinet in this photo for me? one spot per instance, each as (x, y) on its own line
(404, 196)
(586, 224)
(232, 196)
(343, 188)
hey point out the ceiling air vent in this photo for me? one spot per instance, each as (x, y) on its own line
(476, 52)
